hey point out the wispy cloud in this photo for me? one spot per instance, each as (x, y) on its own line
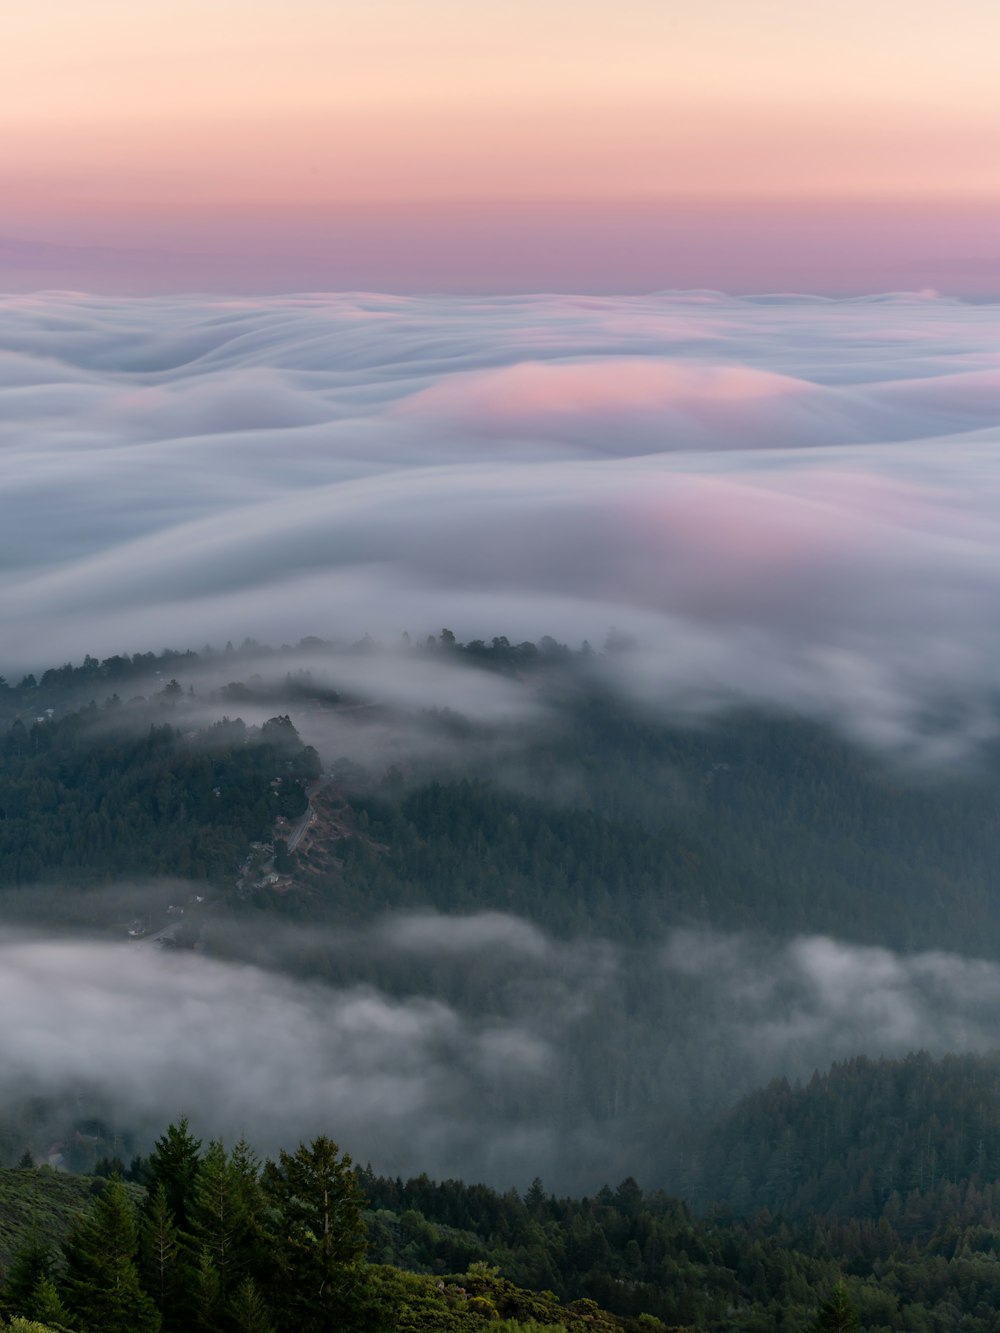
(476, 1046)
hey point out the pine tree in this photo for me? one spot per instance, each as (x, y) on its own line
(206, 1303)
(102, 1281)
(837, 1314)
(320, 1245)
(174, 1163)
(164, 1260)
(248, 1311)
(534, 1200)
(219, 1217)
(46, 1305)
(31, 1263)
(246, 1166)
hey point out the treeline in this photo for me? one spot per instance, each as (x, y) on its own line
(632, 1251)
(94, 678)
(216, 1241)
(895, 1192)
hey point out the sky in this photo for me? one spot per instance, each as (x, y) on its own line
(438, 145)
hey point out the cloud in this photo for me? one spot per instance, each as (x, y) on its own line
(473, 1046)
(624, 405)
(788, 500)
(490, 932)
(411, 1080)
(788, 1008)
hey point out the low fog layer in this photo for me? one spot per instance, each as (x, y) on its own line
(472, 1046)
(786, 499)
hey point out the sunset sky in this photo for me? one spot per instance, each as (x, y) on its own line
(487, 146)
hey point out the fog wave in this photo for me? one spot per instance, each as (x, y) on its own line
(793, 499)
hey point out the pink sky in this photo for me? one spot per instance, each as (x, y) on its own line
(522, 144)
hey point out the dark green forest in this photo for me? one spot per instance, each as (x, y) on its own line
(219, 1241)
(85, 798)
(601, 818)
(131, 785)
(907, 1142)
(198, 1237)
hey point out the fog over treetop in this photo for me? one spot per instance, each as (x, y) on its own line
(790, 498)
(544, 1055)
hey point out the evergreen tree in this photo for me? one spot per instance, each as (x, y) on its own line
(205, 1295)
(164, 1261)
(320, 1245)
(31, 1263)
(174, 1163)
(46, 1305)
(102, 1281)
(534, 1200)
(246, 1165)
(248, 1311)
(837, 1314)
(246, 1168)
(220, 1222)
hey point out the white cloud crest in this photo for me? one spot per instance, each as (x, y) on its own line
(793, 499)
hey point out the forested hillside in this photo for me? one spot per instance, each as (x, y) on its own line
(914, 1143)
(618, 822)
(213, 1239)
(633, 1251)
(220, 1242)
(597, 817)
(85, 798)
(595, 825)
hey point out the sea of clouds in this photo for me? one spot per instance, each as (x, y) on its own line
(786, 499)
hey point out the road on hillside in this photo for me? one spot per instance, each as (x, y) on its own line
(161, 936)
(295, 837)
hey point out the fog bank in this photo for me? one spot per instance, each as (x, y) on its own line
(791, 499)
(468, 1046)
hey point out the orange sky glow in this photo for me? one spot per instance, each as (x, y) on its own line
(312, 126)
